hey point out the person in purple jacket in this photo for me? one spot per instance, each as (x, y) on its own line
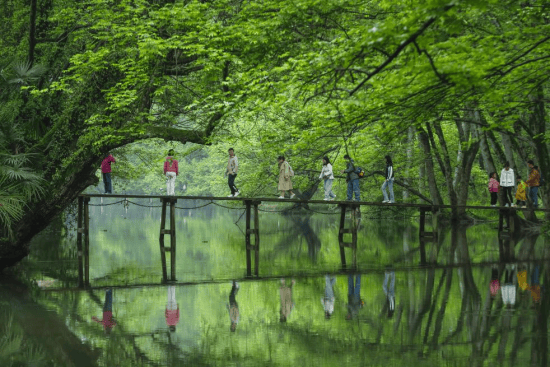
(106, 171)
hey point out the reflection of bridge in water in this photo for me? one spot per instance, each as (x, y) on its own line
(347, 236)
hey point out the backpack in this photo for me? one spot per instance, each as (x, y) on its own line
(359, 171)
(291, 170)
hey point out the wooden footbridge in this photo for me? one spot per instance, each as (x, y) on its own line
(252, 226)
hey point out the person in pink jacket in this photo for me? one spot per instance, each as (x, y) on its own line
(493, 188)
(171, 171)
(106, 171)
(172, 312)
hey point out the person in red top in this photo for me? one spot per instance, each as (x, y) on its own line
(108, 322)
(171, 171)
(172, 312)
(106, 171)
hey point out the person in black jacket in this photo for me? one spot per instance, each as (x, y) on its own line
(352, 179)
(388, 181)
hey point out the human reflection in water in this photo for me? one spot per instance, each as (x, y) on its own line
(535, 284)
(389, 277)
(108, 322)
(522, 278)
(494, 286)
(233, 306)
(286, 300)
(508, 288)
(354, 296)
(172, 312)
(328, 300)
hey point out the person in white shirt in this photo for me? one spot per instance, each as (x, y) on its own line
(507, 182)
(231, 172)
(328, 300)
(328, 176)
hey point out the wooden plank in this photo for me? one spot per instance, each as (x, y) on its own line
(166, 231)
(358, 203)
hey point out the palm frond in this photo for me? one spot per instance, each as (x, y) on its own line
(25, 73)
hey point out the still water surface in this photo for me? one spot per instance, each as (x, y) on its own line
(478, 302)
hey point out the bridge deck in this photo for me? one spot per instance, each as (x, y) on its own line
(301, 201)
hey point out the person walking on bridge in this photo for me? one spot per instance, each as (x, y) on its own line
(231, 172)
(388, 182)
(106, 171)
(507, 182)
(285, 182)
(521, 196)
(533, 181)
(352, 179)
(493, 188)
(171, 171)
(328, 177)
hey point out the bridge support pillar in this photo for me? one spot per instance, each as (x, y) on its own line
(172, 232)
(83, 241)
(256, 232)
(352, 230)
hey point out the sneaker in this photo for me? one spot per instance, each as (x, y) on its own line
(237, 194)
(325, 199)
(281, 197)
(493, 206)
(513, 205)
(386, 201)
(292, 196)
(506, 205)
(230, 196)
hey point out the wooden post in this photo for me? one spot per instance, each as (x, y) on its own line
(422, 251)
(161, 239)
(500, 221)
(79, 242)
(422, 223)
(341, 235)
(173, 239)
(247, 240)
(354, 225)
(434, 224)
(256, 239)
(86, 242)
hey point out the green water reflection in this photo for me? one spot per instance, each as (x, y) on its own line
(440, 314)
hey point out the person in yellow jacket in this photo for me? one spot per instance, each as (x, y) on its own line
(521, 195)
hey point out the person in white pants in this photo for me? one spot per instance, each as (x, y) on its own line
(170, 171)
(508, 290)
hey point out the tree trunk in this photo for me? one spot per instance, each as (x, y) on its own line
(430, 173)
(488, 163)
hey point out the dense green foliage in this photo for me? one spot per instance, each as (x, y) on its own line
(451, 90)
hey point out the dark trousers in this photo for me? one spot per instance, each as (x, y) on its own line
(494, 197)
(107, 182)
(508, 198)
(231, 183)
(108, 305)
(508, 276)
(232, 295)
